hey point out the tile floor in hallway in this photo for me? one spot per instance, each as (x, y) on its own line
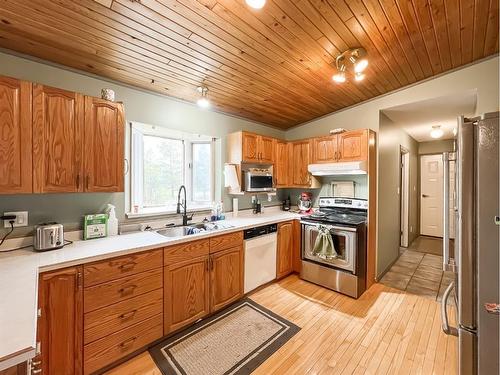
(419, 273)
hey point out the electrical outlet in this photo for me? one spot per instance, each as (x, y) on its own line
(21, 219)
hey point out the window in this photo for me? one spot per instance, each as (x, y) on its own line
(162, 160)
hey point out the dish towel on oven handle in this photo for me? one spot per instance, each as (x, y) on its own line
(323, 246)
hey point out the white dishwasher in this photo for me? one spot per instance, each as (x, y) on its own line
(260, 256)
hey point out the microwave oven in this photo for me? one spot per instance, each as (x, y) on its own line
(259, 180)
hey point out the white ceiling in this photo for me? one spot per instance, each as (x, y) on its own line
(418, 118)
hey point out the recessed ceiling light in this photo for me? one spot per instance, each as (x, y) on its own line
(256, 4)
(437, 132)
(203, 101)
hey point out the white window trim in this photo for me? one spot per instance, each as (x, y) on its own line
(137, 132)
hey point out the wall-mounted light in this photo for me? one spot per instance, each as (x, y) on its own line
(203, 101)
(256, 4)
(357, 58)
(437, 132)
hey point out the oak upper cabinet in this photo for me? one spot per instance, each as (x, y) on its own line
(250, 147)
(16, 136)
(226, 274)
(58, 121)
(353, 145)
(266, 147)
(300, 154)
(282, 170)
(104, 145)
(284, 264)
(245, 147)
(186, 287)
(324, 149)
(60, 325)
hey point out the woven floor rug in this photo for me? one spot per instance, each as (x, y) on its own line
(234, 341)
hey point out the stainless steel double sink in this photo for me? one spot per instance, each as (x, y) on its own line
(188, 230)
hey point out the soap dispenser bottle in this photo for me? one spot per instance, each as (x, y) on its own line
(112, 221)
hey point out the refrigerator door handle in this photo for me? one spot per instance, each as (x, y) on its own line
(444, 313)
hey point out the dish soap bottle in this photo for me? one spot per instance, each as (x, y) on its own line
(112, 221)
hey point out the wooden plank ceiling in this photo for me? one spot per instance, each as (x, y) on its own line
(272, 65)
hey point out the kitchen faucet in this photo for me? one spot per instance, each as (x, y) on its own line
(185, 217)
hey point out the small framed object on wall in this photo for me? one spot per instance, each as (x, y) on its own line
(343, 189)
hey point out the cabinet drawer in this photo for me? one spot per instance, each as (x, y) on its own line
(185, 251)
(110, 319)
(226, 241)
(112, 269)
(122, 289)
(105, 351)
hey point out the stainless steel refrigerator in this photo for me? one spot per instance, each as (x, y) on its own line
(475, 259)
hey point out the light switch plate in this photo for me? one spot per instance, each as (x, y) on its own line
(21, 219)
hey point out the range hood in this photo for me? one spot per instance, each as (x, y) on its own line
(336, 169)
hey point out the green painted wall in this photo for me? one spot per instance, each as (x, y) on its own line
(140, 106)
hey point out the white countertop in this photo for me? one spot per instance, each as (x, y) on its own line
(19, 275)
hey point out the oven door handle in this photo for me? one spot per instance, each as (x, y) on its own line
(348, 229)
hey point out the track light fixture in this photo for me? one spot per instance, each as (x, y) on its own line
(203, 101)
(357, 58)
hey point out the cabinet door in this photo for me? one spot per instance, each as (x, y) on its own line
(104, 145)
(324, 149)
(284, 265)
(353, 145)
(226, 277)
(57, 140)
(60, 328)
(186, 286)
(300, 154)
(250, 147)
(282, 172)
(266, 149)
(15, 137)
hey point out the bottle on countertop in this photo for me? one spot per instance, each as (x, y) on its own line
(112, 224)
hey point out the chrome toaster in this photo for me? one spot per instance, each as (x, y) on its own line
(48, 236)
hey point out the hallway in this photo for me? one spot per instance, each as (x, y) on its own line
(419, 270)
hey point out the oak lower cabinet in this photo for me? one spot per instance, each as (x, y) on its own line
(60, 322)
(16, 138)
(201, 277)
(226, 277)
(123, 307)
(285, 249)
(186, 292)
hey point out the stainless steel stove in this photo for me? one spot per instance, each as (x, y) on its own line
(345, 221)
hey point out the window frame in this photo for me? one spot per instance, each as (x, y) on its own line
(137, 132)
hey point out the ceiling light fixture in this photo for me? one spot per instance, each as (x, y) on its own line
(437, 132)
(203, 101)
(357, 58)
(256, 4)
(358, 76)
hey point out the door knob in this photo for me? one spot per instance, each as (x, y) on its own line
(425, 196)
(492, 308)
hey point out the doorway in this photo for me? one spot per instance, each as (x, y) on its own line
(431, 195)
(404, 188)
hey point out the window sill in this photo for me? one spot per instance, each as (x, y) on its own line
(163, 212)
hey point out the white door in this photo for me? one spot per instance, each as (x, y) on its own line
(431, 195)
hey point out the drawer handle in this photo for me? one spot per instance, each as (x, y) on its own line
(127, 315)
(37, 371)
(127, 266)
(127, 289)
(128, 342)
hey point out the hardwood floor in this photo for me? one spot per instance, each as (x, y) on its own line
(386, 331)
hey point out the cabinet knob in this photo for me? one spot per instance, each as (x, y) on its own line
(127, 266)
(128, 342)
(127, 289)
